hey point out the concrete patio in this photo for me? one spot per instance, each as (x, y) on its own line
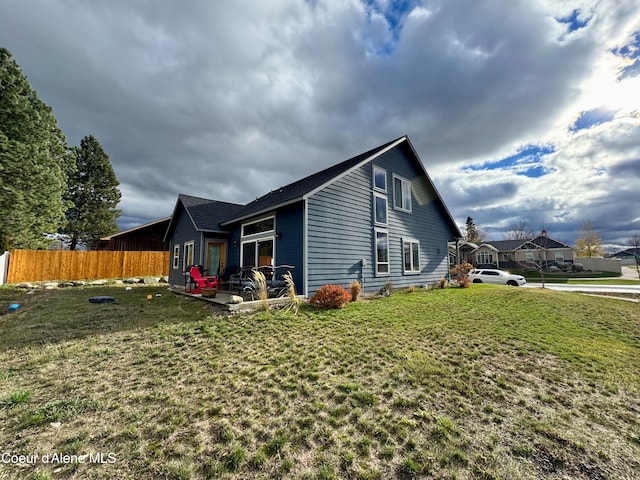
(223, 299)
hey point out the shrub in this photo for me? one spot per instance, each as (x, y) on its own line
(356, 288)
(460, 274)
(330, 296)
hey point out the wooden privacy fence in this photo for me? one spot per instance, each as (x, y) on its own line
(41, 265)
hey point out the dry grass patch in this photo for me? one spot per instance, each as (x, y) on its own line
(476, 383)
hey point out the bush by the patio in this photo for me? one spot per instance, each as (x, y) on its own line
(330, 296)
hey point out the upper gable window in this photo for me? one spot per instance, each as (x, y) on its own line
(401, 194)
(379, 179)
(264, 225)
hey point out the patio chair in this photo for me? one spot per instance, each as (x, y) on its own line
(201, 281)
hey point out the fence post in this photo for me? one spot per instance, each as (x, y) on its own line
(4, 267)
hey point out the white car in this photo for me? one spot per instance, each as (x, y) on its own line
(499, 277)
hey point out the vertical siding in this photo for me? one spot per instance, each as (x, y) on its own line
(340, 228)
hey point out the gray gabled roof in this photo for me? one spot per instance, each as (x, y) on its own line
(511, 245)
(213, 216)
(297, 190)
(205, 214)
(305, 187)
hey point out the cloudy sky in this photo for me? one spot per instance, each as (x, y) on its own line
(521, 110)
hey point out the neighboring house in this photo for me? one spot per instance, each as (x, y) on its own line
(374, 218)
(514, 253)
(630, 256)
(147, 237)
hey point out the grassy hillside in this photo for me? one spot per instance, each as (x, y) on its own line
(485, 383)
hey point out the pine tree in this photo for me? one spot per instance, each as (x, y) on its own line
(472, 233)
(93, 191)
(34, 162)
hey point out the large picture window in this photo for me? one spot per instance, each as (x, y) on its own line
(485, 258)
(258, 243)
(257, 253)
(411, 256)
(382, 252)
(401, 194)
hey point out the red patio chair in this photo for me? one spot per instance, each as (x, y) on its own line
(202, 281)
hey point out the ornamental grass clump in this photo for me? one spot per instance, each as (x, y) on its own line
(330, 296)
(294, 302)
(356, 289)
(259, 288)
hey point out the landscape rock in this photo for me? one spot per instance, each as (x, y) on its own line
(150, 280)
(79, 283)
(132, 280)
(163, 280)
(50, 285)
(235, 299)
(98, 282)
(26, 285)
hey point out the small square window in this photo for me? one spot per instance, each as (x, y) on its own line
(379, 179)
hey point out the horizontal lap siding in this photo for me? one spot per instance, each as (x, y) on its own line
(184, 232)
(340, 228)
(340, 231)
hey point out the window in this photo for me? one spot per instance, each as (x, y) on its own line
(261, 226)
(382, 252)
(559, 257)
(380, 208)
(411, 256)
(485, 258)
(529, 256)
(379, 179)
(258, 250)
(257, 253)
(401, 194)
(176, 256)
(187, 259)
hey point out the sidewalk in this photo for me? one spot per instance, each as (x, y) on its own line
(630, 273)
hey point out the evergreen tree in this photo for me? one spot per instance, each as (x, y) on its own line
(93, 191)
(34, 162)
(472, 233)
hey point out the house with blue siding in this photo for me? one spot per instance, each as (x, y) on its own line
(374, 218)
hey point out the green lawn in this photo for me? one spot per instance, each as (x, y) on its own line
(480, 383)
